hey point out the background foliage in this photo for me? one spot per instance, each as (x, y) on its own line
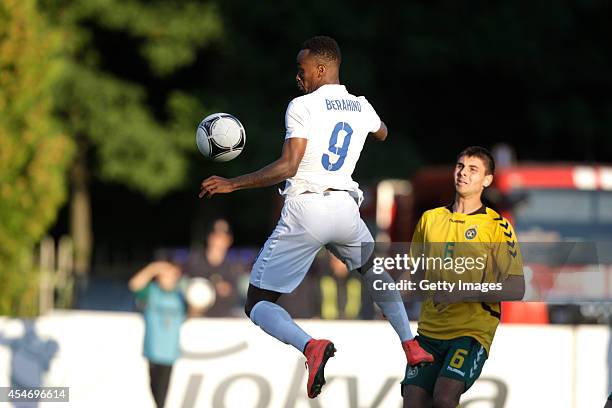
(34, 153)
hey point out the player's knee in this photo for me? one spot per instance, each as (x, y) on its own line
(256, 295)
(364, 268)
(445, 401)
(247, 310)
(248, 307)
(367, 266)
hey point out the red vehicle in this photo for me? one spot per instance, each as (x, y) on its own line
(561, 201)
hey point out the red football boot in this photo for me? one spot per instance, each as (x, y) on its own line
(317, 353)
(415, 354)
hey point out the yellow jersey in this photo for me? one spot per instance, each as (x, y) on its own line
(490, 241)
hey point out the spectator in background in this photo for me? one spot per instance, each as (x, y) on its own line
(158, 292)
(341, 295)
(212, 264)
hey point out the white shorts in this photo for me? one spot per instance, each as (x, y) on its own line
(307, 223)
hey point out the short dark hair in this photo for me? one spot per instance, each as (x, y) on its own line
(483, 154)
(324, 47)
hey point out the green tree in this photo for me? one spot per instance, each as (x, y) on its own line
(118, 97)
(34, 153)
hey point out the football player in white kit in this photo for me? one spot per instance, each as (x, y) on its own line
(325, 133)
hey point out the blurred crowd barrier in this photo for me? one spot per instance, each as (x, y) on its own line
(231, 363)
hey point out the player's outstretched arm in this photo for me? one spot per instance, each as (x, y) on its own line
(381, 134)
(145, 275)
(283, 168)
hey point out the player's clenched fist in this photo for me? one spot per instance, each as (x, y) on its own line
(215, 185)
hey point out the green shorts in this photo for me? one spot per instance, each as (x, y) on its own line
(461, 358)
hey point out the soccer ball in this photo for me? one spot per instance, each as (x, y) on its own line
(220, 137)
(200, 293)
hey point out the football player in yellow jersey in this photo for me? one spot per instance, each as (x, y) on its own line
(457, 326)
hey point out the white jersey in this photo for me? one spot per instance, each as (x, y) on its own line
(336, 125)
